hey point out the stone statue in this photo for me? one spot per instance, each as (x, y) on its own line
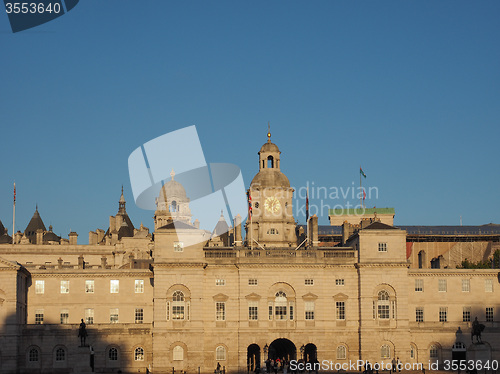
(82, 334)
(476, 330)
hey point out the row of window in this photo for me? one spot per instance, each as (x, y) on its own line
(443, 314)
(114, 286)
(307, 282)
(60, 354)
(443, 286)
(89, 316)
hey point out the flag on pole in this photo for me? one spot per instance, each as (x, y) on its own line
(14, 193)
(249, 205)
(364, 194)
(362, 172)
(307, 205)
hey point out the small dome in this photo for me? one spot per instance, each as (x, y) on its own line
(270, 178)
(269, 147)
(172, 190)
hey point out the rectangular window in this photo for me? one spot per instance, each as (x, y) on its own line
(253, 310)
(309, 282)
(419, 285)
(220, 282)
(442, 285)
(139, 315)
(340, 310)
(419, 314)
(114, 286)
(178, 247)
(489, 314)
(270, 307)
(280, 312)
(466, 314)
(383, 310)
(465, 285)
(488, 285)
(339, 282)
(64, 316)
(39, 317)
(64, 286)
(291, 310)
(113, 315)
(220, 311)
(382, 247)
(139, 286)
(39, 286)
(443, 314)
(309, 308)
(89, 316)
(89, 286)
(252, 282)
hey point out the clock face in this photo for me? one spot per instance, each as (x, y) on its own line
(272, 205)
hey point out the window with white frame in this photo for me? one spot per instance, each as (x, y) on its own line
(385, 351)
(220, 311)
(113, 315)
(65, 286)
(442, 286)
(280, 305)
(220, 282)
(488, 285)
(139, 354)
(382, 247)
(139, 286)
(383, 305)
(89, 316)
(178, 305)
(309, 309)
(178, 247)
(64, 314)
(340, 310)
(114, 286)
(309, 282)
(489, 314)
(339, 282)
(39, 317)
(419, 285)
(419, 314)
(443, 314)
(139, 315)
(341, 352)
(178, 353)
(465, 285)
(89, 286)
(252, 282)
(253, 310)
(466, 313)
(39, 286)
(220, 353)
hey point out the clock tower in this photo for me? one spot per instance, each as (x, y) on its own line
(272, 223)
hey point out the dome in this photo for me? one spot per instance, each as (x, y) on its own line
(269, 147)
(172, 190)
(270, 178)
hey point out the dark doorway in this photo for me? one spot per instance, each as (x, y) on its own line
(310, 353)
(458, 352)
(283, 349)
(253, 357)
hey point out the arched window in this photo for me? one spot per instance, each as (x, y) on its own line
(33, 355)
(178, 305)
(385, 351)
(270, 162)
(113, 354)
(383, 305)
(60, 354)
(220, 353)
(178, 353)
(433, 351)
(272, 232)
(280, 304)
(139, 354)
(341, 352)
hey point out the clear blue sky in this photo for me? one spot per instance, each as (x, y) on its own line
(408, 89)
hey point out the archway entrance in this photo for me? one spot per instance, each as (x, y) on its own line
(310, 353)
(283, 349)
(458, 351)
(253, 357)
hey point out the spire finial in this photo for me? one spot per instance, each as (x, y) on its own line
(122, 189)
(172, 173)
(268, 131)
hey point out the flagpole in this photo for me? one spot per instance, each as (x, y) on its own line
(307, 217)
(360, 189)
(14, 215)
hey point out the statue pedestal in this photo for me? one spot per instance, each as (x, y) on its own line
(82, 361)
(479, 351)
